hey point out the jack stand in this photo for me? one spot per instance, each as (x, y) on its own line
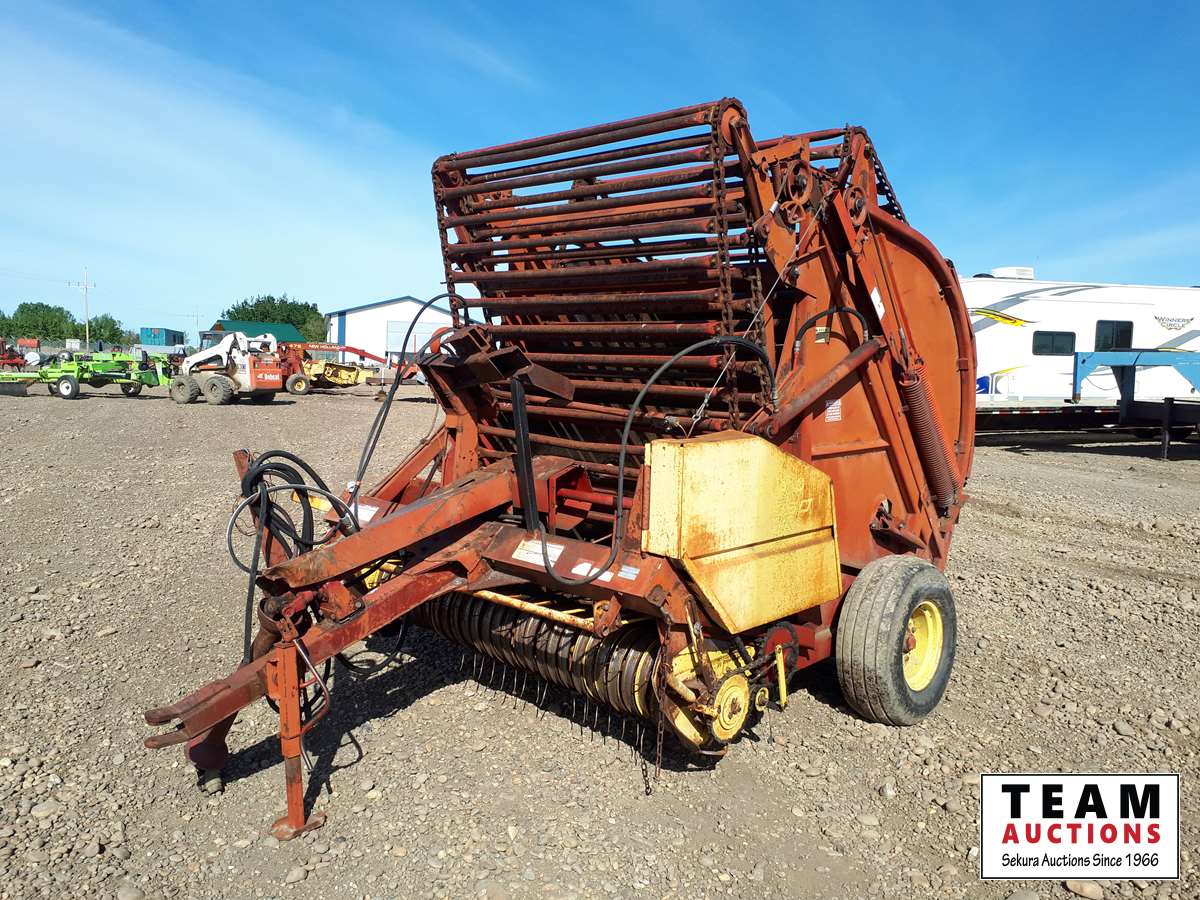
(285, 685)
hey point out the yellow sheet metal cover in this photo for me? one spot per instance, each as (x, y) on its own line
(752, 525)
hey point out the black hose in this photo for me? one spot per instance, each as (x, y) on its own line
(523, 461)
(280, 526)
(834, 310)
(729, 340)
(376, 429)
(369, 669)
(248, 623)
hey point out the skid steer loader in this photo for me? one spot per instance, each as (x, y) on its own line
(228, 366)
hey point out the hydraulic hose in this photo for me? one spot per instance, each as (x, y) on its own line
(832, 311)
(619, 510)
(373, 435)
(274, 521)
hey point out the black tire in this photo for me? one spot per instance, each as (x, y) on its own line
(52, 388)
(219, 390)
(872, 632)
(260, 397)
(67, 387)
(298, 384)
(131, 389)
(184, 389)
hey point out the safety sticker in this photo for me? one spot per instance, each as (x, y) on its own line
(530, 551)
(365, 512)
(833, 410)
(587, 570)
(877, 302)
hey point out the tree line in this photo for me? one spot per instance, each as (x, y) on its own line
(268, 308)
(55, 324)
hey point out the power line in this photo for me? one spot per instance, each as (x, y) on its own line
(16, 273)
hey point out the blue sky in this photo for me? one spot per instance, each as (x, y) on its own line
(191, 154)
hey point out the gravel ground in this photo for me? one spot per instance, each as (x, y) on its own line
(1077, 574)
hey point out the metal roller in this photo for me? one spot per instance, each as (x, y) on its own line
(615, 671)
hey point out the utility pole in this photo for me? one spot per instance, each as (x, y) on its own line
(87, 319)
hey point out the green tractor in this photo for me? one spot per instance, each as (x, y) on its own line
(63, 374)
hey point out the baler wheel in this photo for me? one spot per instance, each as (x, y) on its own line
(895, 640)
(131, 390)
(184, 389)
(67, 387)
(218, 390)
(298, 384)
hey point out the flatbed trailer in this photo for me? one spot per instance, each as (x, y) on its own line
(1171, 415)
(1065, 416)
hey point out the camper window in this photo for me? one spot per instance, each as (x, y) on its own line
(1053, 343)
(1114, 335)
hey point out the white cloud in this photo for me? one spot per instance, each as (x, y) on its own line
(184, 187)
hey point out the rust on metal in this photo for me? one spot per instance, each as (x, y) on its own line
(578, 265)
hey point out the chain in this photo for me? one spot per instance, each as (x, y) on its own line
(717, 151)
(660, 692)
(817, 216)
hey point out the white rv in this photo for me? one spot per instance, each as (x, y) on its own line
(1027, 332)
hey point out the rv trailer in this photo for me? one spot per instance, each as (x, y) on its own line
(1027, 332)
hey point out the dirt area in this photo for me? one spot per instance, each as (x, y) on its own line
(1077, 575)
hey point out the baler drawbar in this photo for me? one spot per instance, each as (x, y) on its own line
(709, 414)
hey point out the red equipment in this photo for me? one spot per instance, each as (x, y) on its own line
(711, 424)
(323, 347)
(10, 358)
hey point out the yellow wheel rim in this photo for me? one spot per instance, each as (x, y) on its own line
(923, 645)
(732, 705)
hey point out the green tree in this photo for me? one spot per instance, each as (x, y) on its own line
(41, 320)
(55, 324)
(107, 329)
(267, 308)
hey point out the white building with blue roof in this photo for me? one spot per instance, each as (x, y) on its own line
(379, 327)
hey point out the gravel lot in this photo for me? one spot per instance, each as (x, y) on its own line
(1076, 569)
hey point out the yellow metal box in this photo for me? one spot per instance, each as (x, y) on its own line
(752, 525)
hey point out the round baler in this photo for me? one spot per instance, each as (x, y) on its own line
(709, 413)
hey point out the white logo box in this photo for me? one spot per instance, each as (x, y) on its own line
(1104, 826)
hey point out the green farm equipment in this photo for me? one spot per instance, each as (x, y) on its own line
(65, 373)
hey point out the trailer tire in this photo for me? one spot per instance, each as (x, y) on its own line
(132, 389)
(298, 384)
(67, 387)
(184, 389)
(886, 675)
(219, 390)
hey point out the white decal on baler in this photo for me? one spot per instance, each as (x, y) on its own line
(877, 302)
(530, 551)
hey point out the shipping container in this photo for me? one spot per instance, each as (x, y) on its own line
(161, 337)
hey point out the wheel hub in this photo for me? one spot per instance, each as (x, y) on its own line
(732, 705)
(923, 645)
